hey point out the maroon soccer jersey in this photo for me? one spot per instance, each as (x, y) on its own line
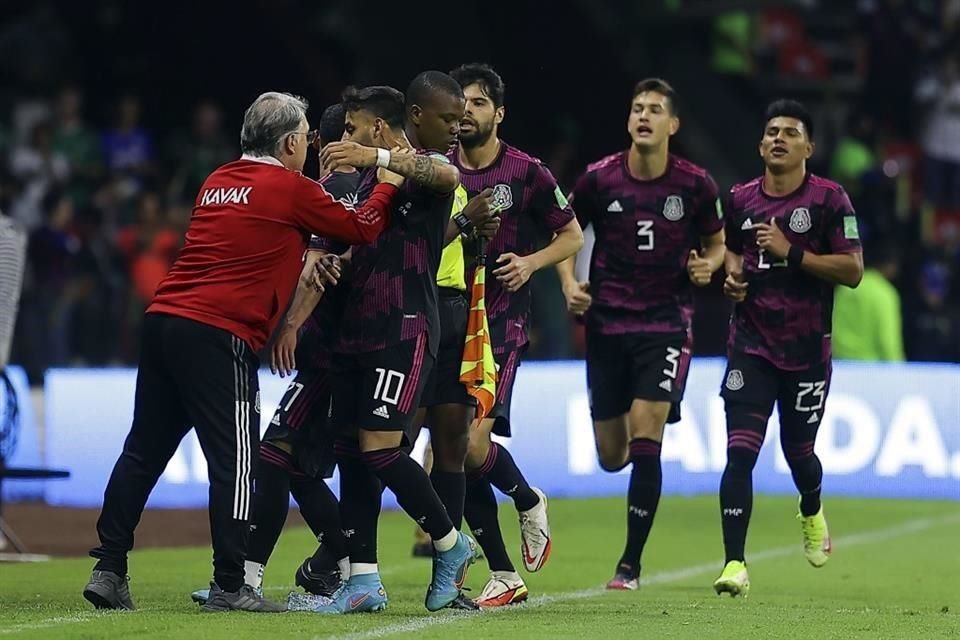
(786, 317)
(249, 229)
(393, 281)
(320, 330)
(532, 208)
(644, 231)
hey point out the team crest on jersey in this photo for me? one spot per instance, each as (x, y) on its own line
(673, 208)
(800, 220)
(502, 197)
(735, 380)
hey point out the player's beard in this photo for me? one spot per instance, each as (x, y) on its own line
(479, 137)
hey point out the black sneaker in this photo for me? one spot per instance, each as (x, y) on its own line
(108, 590)
(422, 550)
(319, 583)
(246, 599)
(463, 603)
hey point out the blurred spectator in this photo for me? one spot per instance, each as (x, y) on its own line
(79, 145)
(128, 150)
(148, 247)
(194, 156)
(48, 294)
(732, 42)
(932, 332)
(853, 156)
(38, 167)
(940, 93)
(867, 321)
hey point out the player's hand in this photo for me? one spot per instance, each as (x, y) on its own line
(326, 272)
(734, 287)
(771, 239)
(578, 297)
(479, 211)
(346, 153)
(515, 272)
(282, 358)
(389, 177)
(698, 269)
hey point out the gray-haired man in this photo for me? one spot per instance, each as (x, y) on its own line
(210, 316)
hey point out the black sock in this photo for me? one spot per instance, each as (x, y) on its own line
(480, 512)
(271, 501)
(411, 485)
(807, 474)
(736, 500)
(360, 493)
(321, 511)
(451, 488)
(643, 496)
(503, 473)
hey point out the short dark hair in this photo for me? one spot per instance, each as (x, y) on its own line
(331, 123)
(789, 109)
(482, 74)
(383, 102)
(428, 84)
(662, 87)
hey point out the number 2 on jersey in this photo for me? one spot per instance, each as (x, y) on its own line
(763, 261)
(645, 235)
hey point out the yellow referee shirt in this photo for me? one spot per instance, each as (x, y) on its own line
(452, 268)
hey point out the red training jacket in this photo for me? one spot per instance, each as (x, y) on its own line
(244, 247)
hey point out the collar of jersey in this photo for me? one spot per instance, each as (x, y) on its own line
(263, 159)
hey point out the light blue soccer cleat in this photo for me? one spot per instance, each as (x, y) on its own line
(359, 594)
(450, 572)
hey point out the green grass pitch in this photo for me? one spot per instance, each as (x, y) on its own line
(893, 574)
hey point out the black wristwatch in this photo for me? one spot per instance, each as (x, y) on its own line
(463, 223)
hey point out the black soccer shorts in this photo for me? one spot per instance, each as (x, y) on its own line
(380, 390)
(443, 385)
(625, 367)
(298, 438)
(753, 384)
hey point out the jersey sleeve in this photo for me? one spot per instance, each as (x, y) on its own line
(709, 212)
(583, 198)
(842, 230)
(733, 230)
(548, 204)
(315, 210)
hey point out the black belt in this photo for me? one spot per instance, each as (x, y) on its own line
(451, 292)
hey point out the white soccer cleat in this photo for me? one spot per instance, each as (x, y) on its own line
(535, 535)
(503, 588)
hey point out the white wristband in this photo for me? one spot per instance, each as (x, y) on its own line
(383, 158)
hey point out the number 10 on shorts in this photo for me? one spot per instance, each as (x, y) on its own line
(389, 385)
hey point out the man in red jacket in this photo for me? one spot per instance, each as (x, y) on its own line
(211, 315)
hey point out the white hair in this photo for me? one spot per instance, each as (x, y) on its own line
(270, 118)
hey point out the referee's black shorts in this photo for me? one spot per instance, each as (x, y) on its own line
(443, 385)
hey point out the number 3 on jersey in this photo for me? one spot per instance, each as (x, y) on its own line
(645, 235)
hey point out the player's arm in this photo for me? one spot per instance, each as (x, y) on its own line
(842, 264)
(514, 271)
(734, 286)
(576, 293)
(432, 170)
(319, 270)
(314, 209)
(701, 265)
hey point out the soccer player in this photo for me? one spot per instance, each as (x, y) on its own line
(296, 452)
(387, 343)
(533, 213)
(791, 238)
(659, 229)
(210, 316)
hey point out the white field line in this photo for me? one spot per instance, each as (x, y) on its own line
(665, 577)
(418, 624)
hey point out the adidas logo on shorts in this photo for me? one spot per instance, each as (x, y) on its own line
(382, 412)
